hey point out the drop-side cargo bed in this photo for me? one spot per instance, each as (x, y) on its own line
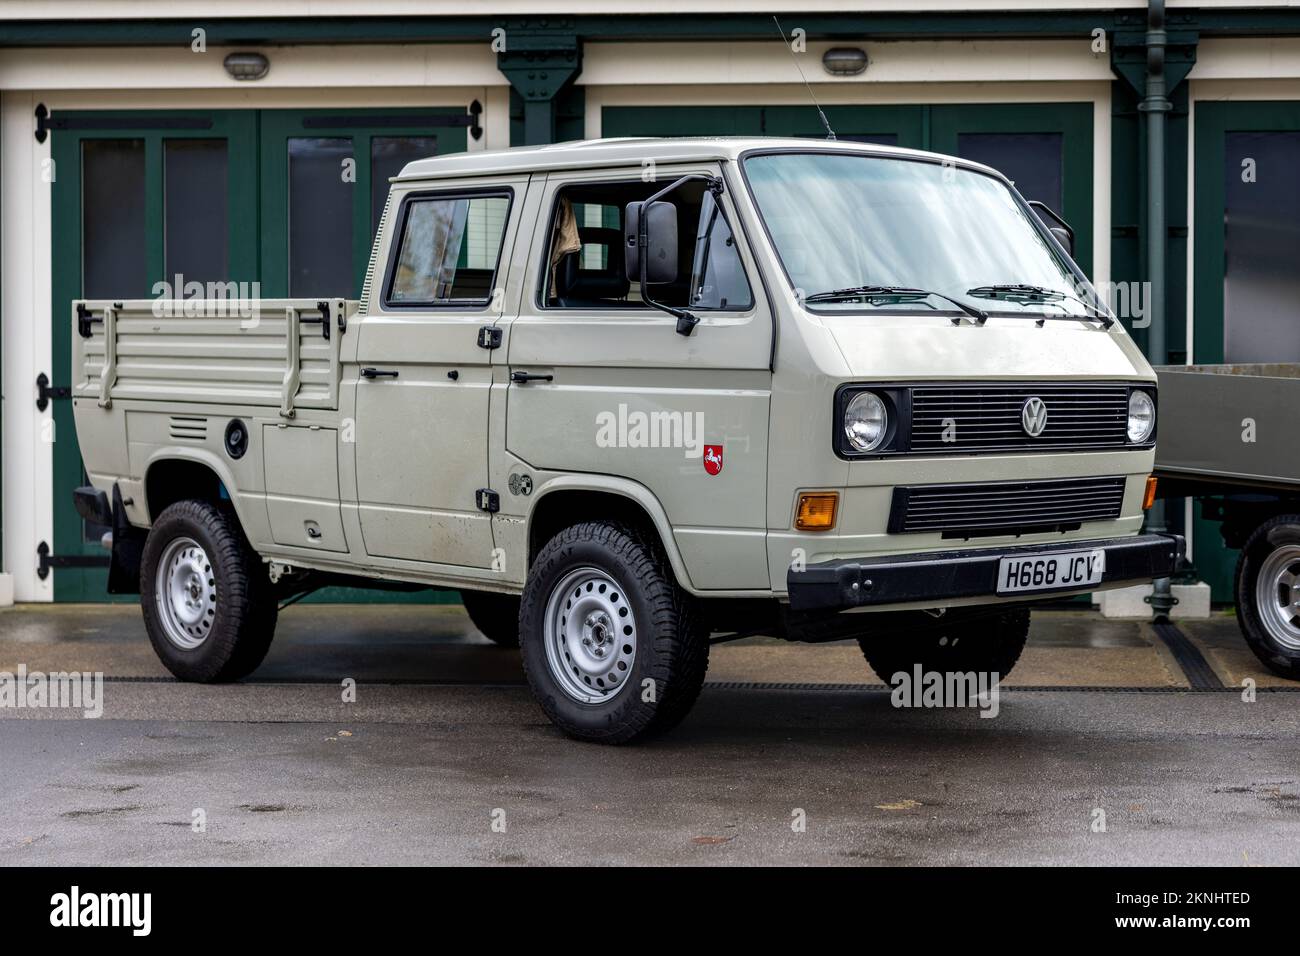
(280, 353)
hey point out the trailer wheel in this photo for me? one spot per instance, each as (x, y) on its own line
(207, 602)
(495, 615)
(961, 641)
(613, 649)
(1268, 594)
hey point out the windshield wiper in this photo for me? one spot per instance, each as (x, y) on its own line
(1037, 293)
(880, 294)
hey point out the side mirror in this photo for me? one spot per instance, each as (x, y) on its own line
(1055, 224)
(661, 242)
(1064, 236)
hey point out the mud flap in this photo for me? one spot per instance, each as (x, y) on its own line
(128, 546)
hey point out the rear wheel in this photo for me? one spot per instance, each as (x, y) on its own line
(613, 649)
(208, 606)
(495, 615)
(961, 641)
(1268, 594)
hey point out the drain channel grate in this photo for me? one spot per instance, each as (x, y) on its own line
(1197, 669)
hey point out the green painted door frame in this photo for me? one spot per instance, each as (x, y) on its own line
(239, 131)
(1216, 563)
(1214, 120)
(362, 127)
(257, 237)
(906, 123)
(1072, 120)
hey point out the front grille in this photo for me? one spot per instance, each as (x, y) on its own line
(961, 418)
(1005, 506)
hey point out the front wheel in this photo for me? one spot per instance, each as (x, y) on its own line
(613, 649)
(207, 602)
(961, 641)
(1268, 594)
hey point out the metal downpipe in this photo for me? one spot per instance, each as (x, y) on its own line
(1155, 105)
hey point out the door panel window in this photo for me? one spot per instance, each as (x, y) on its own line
(1033, 161)
(1261, 261)
(585, 259)
(449, 251)
(320, 216)
(195, 202)
(114, 250)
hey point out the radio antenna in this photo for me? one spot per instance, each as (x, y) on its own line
(830, 133)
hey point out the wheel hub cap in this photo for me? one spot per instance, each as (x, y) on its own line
(185, 593)
(590, 635)
(1277, 593)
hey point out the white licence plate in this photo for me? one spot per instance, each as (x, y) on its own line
(1067, 569)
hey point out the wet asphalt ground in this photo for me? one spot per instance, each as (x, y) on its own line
(793, 755)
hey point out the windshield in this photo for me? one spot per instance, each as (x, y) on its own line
(843, 222)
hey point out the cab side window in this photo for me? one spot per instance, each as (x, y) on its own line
(585, 269)
(448, 250)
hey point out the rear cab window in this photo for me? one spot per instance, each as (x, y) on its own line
(447, 249)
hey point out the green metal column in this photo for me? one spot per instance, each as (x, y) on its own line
(1153, 62)
(1154, 105)
(1150, 181)
(541, 56)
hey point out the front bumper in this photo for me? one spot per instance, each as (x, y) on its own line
(944, 575)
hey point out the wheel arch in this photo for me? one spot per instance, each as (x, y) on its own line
(569, 499)
(174, 475)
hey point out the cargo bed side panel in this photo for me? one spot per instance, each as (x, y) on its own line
(273, 352)
(1234, 422)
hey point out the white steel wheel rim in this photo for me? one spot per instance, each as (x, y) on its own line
(590, 635)
(185, 593)
(1277, 594)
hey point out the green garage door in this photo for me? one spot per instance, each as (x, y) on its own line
(1045, 148)
(1246, 258)
(286, 198)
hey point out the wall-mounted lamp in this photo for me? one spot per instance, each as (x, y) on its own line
(844, 60)
(246, 66)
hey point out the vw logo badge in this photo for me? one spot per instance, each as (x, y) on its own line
(1033, 416)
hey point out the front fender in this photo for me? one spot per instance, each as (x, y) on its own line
(634, 492)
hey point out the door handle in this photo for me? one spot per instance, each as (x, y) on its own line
(378, 373)
(530, 377)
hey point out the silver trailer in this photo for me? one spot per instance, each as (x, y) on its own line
(1226, 436)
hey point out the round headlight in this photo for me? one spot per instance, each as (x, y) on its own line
(1141, 416)
(866, 421)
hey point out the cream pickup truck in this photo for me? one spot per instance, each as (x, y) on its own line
(633, 396)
